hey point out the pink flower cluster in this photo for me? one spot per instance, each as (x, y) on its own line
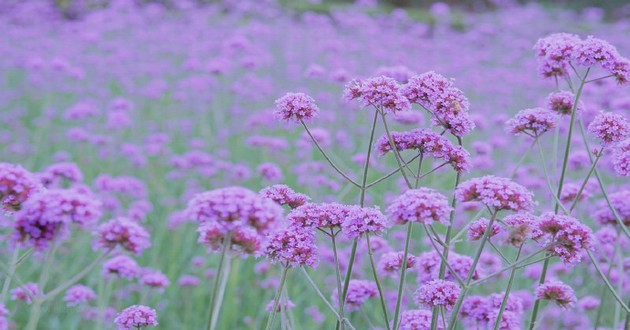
(562, 103)
(438, 293)
(428, 266)
(427, 142)
(361, 220)
(556, 291)
(417, 319)
(569, 236)
(533, 122)
(293, 246)
(296, 107)
(122, 266)
(558, 51)
(392, 262)
(609, 127)
(478, 228)
(79, 294)
(16, 186)
(359, 291)
(621, 158)
(423, 205)
(620, 202)
(447, 104)
(284, 195)
(136, 317)
(480, 311)
(25, 292)
(55, 175)
(124, 232)
(382, 92)
(248, 216)
(495, 192)
(320, 215)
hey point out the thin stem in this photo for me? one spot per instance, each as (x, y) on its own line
(588, 176)
(520, 161)
(10, 273)
(224, 279)
(395, 150)
(507, 290)
(543, 162)
(498, 251)
(378, 282)
(608, 285)
(337, 273)
(419, 170)
(443, 258)
(543, 276)
(227, 242)
(600, 78)
(453, 319)
(390, 174)
(327, 157)
(403, 271)
(277, 298)
(323, 298)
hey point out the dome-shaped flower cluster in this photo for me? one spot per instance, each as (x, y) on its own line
(382, 92)
(16, 186)
(124, 232)
(422, 205)
(495, 192)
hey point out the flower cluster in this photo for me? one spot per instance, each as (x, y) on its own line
(284, 195)
(296, 107)
(247, 216)
(293, 246)
(361, 220)
(124, 232)
(427, 142)
(423, 205)
(321, 215)
(621, 158)
(533, 122)
(556, 291)
(417, 319)
(382, 92)
(136, 317)
(391, 262)
(609, 127)
(79, 294)
(478, 228)
(55, 175)
(495, 192)
(437, 293)
(122, 266)
(16, 186)
(563, 102)
(428, 266)
(447, 104)
(568, 236)
(619, 200)
(359, 291)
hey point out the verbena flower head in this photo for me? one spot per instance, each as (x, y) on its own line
(320, 215)
(438, 293)
(428, 266)
(382, 92)
(293, 246)
(122, 266)
(359, 291)
(136, 317)
(427, 143)
(122, 231)
(155, 279)
(478, 228)
(79, 294)
(476, 309)
(55, 175)
(391, 262)
(533, 122)
(417, 319)
(562, 103)
(296, 107)
(400, 73)
(522, 226)
(593, 51)
(609, 127)
(25, 292)
(620, 201)
(188, 281)
(247, 215)
(570, 236)
(16, 186)
(554, 53)
(4, 312)
(621, 158)
(282, 305)
(556, 291)
(361, 220)
(509, 320)
(284, 195)
(496, 193)
(423, 205)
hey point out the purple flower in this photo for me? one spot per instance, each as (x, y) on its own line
(562, 102)
(321, 215)
(25, 292)
(556, 291)
(495, 192)
(533, 122)
(79, 294)
(188, 281)
(4, 323)
(122, 266)
(621, 158)
(16, 186)
(569, 235)
(423, 205)
(124, 232)
(609, 127)
(522, 226)
(554, 53)
(381, 92)
(270, 172)
(282, 306)
(417, 319)
(284, 195)
(391, 262)
(155, 279)
(478, 228)
(296, 107)
(293, 246)
(359, 291)
(361, 220)
(135, 317)
(619, 201)
(437, 293)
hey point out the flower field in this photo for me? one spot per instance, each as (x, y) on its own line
(248, 165)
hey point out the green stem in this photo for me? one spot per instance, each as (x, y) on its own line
(543, 276)
(403, 271)
(337, 273)
(598, 156)
(227, 242)
(395, 151)
(497, 323)
(520, 161)
(10, 273)
(547, 179)
(453, 319)
(608, 285)
(35, 314)
(378, 282)
(277, 298)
